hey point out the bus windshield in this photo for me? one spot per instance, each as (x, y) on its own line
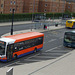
(69, 21)
(69, 37)
(2, 47)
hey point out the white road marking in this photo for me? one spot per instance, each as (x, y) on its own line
(33, 60)
(33, 56)
(53, 48)
(10, 64)
(52, 40)
(61, 38)
(19, 61)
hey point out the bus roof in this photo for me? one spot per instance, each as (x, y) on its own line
(25, 36)
(8, 40)
(71, 20)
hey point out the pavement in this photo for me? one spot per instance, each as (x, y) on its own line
(15, 23)
(63, 65)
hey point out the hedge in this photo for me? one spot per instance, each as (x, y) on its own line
(28, 16)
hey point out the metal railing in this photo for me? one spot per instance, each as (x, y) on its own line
(40, 25)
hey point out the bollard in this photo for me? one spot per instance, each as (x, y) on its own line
(10, 72)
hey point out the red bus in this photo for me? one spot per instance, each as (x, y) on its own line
(15, 46)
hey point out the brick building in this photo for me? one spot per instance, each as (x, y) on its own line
(70, 5)
(2, 6)
(52, 6)
(8, 5)
(17, 5)
(29, 6)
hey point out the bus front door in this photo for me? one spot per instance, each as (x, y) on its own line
(9, 52)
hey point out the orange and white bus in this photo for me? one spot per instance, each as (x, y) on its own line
(15, 46)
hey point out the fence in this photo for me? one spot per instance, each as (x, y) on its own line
(40, 24)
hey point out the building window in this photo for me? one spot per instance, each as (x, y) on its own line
(14, 10)
(10, 10)
(54, 5)
(63, 6)
(14, 2)
(36, 4)
(45, 5)
(53, 10)
(45, 10)
(11, 2)
(1, 5)
(31, 4)
(1, 12)
(36, 9)
(30, 9)
(68, 6)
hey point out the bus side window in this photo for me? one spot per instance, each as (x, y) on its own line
(26, 44)
(39, 40)
(33, 44)
(19, 46)
(15, 47)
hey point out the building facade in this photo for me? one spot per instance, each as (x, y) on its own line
(2, 6)
(17, 5)
(57, 6)
(8, 5)
(34, 6)
(70, 6)
(30, 6)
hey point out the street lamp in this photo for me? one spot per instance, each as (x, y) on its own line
(12, 21)
(33, 12)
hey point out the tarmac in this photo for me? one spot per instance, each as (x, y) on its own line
(63, 65)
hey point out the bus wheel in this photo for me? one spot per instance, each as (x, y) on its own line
(15, 56)
(35, 50)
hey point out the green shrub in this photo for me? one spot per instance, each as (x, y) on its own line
(28, 16)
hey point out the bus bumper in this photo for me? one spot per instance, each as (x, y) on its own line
(3, 60)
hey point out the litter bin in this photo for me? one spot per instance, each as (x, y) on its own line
(56, 25)
(45, 27)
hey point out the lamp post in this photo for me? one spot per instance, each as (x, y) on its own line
(33, 12)
(12, 22)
